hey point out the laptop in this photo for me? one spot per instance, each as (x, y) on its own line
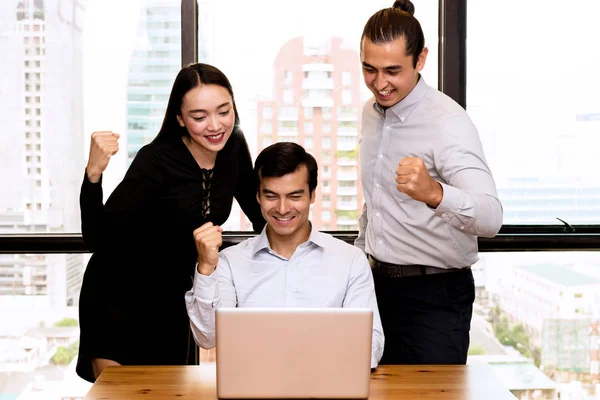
(293, 353)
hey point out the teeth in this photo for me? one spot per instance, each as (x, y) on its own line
(215, 136)
(385, 93)
(283, 219)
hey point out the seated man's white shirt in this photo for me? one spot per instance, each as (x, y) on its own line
(322, 272)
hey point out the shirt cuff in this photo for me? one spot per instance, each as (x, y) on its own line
(451, 202)
(204, 288)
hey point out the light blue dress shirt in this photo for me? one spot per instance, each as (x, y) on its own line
(397, 229)
(322, 272)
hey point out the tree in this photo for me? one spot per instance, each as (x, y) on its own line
(476, 350)
(67, 322)
(64, 355)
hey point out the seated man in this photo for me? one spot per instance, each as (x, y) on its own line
(290, 264)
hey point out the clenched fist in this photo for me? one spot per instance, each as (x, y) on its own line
(414, 180)
(103, 146)
(208, 239)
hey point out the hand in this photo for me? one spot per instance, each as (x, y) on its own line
(208, 239)
(103, 146)
(414, 180)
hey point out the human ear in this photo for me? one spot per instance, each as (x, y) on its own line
(422, 58)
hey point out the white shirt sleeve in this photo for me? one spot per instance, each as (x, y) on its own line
(470, 202)
(361, 294)
(207, 294)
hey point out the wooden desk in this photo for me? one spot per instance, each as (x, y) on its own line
(405, 382)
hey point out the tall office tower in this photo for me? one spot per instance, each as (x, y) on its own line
(316, 103)
(155, 62)
(41, 103)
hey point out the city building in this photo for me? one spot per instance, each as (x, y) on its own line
(155, 62)
(42, 116)
(316, 103)
(519, 375)
(559, 308)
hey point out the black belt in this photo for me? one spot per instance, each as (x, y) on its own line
(389, 270)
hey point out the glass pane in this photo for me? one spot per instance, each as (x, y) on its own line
(305, 56)
(536, 322)
(533, 94)
(39, 333)
(69, 68)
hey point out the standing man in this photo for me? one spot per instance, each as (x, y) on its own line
(290, 264)
(428, 195)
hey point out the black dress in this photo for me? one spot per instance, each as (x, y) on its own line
(132, 302)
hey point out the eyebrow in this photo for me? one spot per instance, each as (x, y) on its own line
(388, 68)
(201, 110)
(295, 192)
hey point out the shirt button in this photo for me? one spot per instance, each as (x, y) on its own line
(377, 214)
(377, 185)
(402, 119)
(462, 227)
(388, 128)
(444, 215)
(380, 241)
(380, 156)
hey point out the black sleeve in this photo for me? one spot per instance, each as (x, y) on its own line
(126, 210)
(92, 208)
(245, 188)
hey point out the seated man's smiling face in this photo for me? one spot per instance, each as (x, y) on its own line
(285, 203)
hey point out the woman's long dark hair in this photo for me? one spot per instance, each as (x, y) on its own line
(188, 78)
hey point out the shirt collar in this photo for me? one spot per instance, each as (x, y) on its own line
(262, 243)
(404, 107)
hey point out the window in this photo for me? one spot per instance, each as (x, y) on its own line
(308, 112)
(66, 82)
(308, 127)
(287, 77)
(288, 96)
(288, 126)
(557, 179)
(347, 96)
(346, 78)
(288, 113)
(326, 142)
(308, 142)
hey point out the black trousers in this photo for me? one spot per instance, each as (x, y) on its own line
(426, 319)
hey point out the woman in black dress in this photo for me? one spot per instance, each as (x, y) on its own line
(132, 304)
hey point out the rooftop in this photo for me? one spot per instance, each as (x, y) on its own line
(560, 275)
(516, 372)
